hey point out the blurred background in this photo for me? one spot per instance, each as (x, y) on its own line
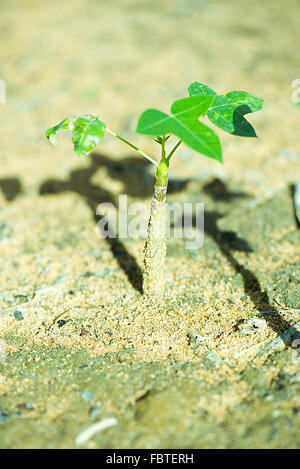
(117, 58)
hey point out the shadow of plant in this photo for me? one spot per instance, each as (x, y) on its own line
(133, 169)
(218, 191)
(241, 126)
(228, 243)
(11, 187)
(128, 171)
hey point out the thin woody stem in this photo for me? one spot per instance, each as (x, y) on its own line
(133, 146)
(155, 248)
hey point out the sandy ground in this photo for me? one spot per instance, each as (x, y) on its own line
(72, 316)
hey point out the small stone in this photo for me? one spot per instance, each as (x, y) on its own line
(29, 405)
(95, 412)
(61, 323)
(87, 395)
(193, 255)
(5, 231)
(251, 326)
(60, 280)
(126, 298)
(3, 415)
(18, 315)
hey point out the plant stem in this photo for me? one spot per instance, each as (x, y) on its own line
(174, 149)
(155, 247)
(133, 146)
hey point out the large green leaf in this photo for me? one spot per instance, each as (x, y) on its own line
(87, 130)
(227, 111)
(184, 123)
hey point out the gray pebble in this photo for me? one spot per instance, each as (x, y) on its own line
(95, 412)
(251, 326)
(29, 405)
(18, 315)
(87, 395)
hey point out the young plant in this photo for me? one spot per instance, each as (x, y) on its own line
(226, 111)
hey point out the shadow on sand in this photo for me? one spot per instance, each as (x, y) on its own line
(133, 169)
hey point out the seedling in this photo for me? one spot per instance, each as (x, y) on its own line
(226, 111)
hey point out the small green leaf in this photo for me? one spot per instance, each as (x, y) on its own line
(184, 123)
(87, 130)
(66, 124)
(199, 89)
(227, 111)
(87, 133)
(160, 139)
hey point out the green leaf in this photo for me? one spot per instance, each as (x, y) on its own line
(87, 133)
(87, 130)
(66, 124)
(160, 139)
(227, 111)
(199, 89)
(184, 123)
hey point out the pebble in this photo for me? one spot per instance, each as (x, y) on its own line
(29, 405)
(3, 415)
(87, 395)
(60, 280)
(5, 231)
(95, 412)
(18, 315)
(251, 326)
